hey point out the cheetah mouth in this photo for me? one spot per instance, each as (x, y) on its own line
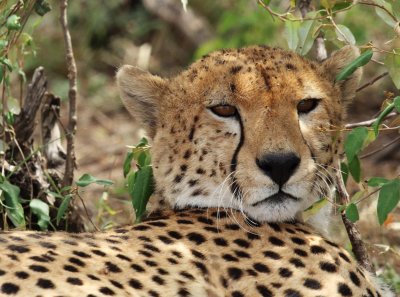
(277, 198)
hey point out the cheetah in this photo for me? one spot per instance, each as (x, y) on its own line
(243, 142)
(194, 252)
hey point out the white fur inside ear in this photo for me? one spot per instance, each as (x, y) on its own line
(141, 94)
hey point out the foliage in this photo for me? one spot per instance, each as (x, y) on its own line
(140, 179)
(239, 26)
(16, 42)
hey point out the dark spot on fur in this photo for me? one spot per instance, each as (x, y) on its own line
(235, 69)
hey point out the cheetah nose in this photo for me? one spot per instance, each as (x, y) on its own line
(279, 166)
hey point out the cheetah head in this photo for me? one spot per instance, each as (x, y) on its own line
(253, 129)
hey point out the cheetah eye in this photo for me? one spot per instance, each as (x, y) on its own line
(224, 110)
(307, 105)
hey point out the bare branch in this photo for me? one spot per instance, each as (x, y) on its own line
(358, 247)
(51, 135)
(369, 122)
(72, 94)
(25, 122)
(386, 145)
(370, 83)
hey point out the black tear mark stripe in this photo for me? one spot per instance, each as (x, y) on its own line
(235, 189)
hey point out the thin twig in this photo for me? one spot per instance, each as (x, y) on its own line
(370, 83)
(369, 122)
(381, 7)
(369, 195)
(87, 213)
(381, 148)
(358, 247)
(72, 94)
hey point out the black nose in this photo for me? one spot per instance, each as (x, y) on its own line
(279, 166)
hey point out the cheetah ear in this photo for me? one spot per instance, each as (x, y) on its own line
(336, 62)
(141, 92)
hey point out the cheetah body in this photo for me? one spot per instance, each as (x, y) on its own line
(197, 252)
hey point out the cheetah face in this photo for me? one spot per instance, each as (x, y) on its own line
(250, 129)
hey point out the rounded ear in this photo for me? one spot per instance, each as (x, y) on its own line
(336, 62)
(141, 94)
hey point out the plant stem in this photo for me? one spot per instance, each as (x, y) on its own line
(72, 95)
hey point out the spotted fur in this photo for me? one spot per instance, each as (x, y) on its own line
(197, 252)
(204, 160)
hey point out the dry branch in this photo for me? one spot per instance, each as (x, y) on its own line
(358, 247)
(369, 122)
(25, 121)
(72, 94)
(51, 134)
(194, 27)
(370, 83)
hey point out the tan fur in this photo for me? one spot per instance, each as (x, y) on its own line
(194, 253)
(193, 150)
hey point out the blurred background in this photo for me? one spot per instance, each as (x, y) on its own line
(160, 37)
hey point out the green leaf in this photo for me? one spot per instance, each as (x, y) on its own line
(344, 34)
(142, 191)
(383, 14)
(131, 181)
(23, 75)
(396, 8)
(7, 63)
(13, 207)
(42, 7)
(306, 34)
(13, 105)
(3, 44)
(63, 208)
(314, 209)
(355, 142)
(143, 142)
(345, 171)
(392, 63)
(363, 59)
(41, 210)
(13, 23)
(355, 169)
(389, 197)
(357, 196)
(141, 160)
(291, 34)
(352, 212)
(2, 69)
(88, 179)
(382, 117)
(127, 163)
(396, 102)
(9, 117)
(328, 4)
(377, 181)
